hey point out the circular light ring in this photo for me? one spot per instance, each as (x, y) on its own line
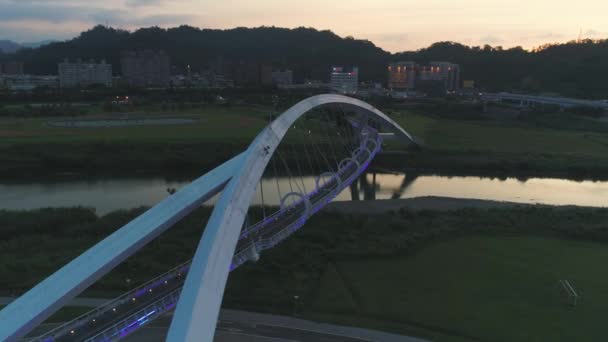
(331, 175)
(368, 140)
(345, 162)
(307, 204)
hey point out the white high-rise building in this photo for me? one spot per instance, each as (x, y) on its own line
(80, 74)
(344, 81)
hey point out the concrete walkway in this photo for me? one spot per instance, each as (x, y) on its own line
(304, 325)
(236, 325)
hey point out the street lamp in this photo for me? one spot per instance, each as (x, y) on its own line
(295, 304)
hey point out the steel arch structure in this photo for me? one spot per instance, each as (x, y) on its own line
(199, 303)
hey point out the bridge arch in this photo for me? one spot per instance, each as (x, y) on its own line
(200, 299)
(198, 307)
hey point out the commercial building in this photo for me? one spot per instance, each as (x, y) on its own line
(146, 68)
(344, 81)
(11, 68)
(448, 74)
(282, 78)
(436, 78)
(81, 74)
(247, 73)
(402, 75)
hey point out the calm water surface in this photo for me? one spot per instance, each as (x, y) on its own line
(106, 195)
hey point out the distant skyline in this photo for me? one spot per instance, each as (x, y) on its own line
(394, 25)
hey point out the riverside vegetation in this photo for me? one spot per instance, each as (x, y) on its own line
(465, 275)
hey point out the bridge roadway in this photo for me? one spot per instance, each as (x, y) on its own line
(263, 235)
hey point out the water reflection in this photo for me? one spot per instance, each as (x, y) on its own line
(111, 194)
(534, 190)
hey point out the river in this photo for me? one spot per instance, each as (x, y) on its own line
(106, 195)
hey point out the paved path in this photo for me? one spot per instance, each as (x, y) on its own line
(79, 301)
(242, 326)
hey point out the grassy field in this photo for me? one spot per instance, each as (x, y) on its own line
(552, 144)
(482, 288)
(215, 124)
(574, 147)
(506, 136)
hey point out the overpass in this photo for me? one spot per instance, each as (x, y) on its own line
(338, 147)
(526, 100)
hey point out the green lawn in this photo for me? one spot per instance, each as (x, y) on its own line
(477, 288)
(569, 144)
(503, 136)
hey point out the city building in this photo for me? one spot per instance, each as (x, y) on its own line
(11, 68)
(448, 74)
(435, 79)
(402, 76)
(315, 85)
(82, 74)
(247, 73)
(266, 75)
(146, 68)
(282, 78)
(344, 81)
(370, 89)
(27, 83)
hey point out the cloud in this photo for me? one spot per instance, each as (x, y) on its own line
(595, 34)
(138, 3)
(166, 19)
(390, 37)
(491, 40)
(59, 13)
(549, 35)
(14, 11)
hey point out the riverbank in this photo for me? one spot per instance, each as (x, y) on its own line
(183, 160)
(378, 207)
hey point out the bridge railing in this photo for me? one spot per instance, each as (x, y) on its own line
(131, 323)
(243, 255)
(79, 321)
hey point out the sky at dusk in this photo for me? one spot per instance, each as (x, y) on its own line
(394, 25)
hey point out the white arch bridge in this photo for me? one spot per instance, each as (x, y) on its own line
(195, 289)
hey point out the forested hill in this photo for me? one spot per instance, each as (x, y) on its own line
(572, 69)
(308, 52)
